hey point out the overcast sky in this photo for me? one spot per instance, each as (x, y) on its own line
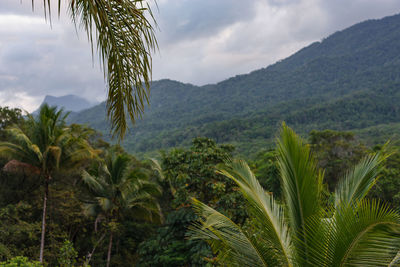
(201, 41)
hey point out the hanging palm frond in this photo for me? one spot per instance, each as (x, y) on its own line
(122, 33)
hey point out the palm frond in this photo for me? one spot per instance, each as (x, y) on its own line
(91, 209)
(264, 210)
(319, 231)
(156, 167)
(28, 153)
(76, 155)
(395, 261)
(227, 240)
(117, 166)
(55, 152)
(34, 149)
(22, 147)
(151, 212)
(93, 183)
(18, 136)
(105, 203)
(124, 38)
(359, 180)
(301, 182)
(366, 234)
(10, 150)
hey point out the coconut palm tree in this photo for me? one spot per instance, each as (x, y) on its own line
(302, 231)
(44, 145)
(122, 33)
(117, 188)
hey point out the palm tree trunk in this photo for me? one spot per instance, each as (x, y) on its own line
(89, 257)
(46, 194)
(109, 249)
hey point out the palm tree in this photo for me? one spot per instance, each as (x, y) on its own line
(116, 189)
(42, 146)
(122, 32)
(302, 231)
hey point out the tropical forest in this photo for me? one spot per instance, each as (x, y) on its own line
(296, 163)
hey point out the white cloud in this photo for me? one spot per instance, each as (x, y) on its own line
(19, 100)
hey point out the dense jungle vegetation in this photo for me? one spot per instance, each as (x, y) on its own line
(104, 206)
(70, 198)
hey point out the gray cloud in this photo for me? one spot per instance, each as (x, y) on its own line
(342, 13)
(36, 59)
(201, 41)
(188, 19)
(269, 30)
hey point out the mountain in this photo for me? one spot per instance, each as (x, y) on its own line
(68, 102)
(348, 81)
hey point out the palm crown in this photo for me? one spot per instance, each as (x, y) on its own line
(354, 231)
(45, 143)
(116, 188)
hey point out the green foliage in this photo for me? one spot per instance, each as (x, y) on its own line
(336, 152)
(190, 173)
(43, 146)
(304, 231)
(20, 230)
(183, 174)
(20, 261)
(9, 117)
(387, 187)
(266, 169)
(170, 247)
(68, 255)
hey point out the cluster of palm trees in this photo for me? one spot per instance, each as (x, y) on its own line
(44, 145)
(115, 188)
(305, 229)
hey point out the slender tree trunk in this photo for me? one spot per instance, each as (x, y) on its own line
(109, 249)
(46, 194)
(89, 257)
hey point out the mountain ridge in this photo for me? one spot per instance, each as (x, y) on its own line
(328, 84)
(68, 102)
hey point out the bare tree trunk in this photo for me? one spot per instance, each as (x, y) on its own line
(89, 257)
(46, 194)
(109, 250)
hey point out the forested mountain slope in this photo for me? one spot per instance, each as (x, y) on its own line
(348, 81)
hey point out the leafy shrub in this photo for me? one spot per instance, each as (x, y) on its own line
(20, 261)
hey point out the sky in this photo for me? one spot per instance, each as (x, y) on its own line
(200, 42)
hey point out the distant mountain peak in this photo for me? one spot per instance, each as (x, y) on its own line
(68, 102)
